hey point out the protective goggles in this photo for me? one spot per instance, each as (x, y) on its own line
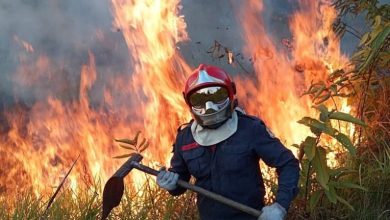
(214, 97)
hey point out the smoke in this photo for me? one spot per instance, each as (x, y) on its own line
(44, 45)
(61, 34)
(210, 21)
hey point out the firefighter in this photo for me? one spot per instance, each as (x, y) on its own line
(222, 146)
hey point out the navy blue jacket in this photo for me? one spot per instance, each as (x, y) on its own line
(231, 168)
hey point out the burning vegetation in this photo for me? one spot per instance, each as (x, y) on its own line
(312, 96)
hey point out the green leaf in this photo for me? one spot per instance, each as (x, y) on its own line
(301, 152)
(341, 171)
(345, 184)
(323, 98)
(346, 117)
(340, 199)
(364, 39)
(331, 194)
(295, 145)
(377, 21)
(309, 91)
(309, 146)
(315, 131)
(346, 142)
(323, 113)
(314, 199)
(373, 35)
(376, 44)
(321, 168)
(337, 73)
(341, 80)
(359, 55)
(321, 88)
(384, 60)
(333, 88)
(316, 126)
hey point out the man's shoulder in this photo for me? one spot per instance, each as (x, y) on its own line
(257, 123)
(185, 126)
(249, 118)
(183, 134)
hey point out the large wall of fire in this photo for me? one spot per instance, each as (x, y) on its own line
(76, 74)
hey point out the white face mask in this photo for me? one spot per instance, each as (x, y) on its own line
(209, 100)
(208, 137)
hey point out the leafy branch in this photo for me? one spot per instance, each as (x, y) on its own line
(322, 180)
(132, 145)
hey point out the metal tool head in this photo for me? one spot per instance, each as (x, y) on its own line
(113, 190)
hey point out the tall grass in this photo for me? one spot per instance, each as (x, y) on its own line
(375, 176)
(372, 173)
(149, 202)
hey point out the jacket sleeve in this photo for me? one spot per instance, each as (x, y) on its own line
(275, 154)
(179, 166)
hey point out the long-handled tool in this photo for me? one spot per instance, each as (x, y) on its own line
(113, 190)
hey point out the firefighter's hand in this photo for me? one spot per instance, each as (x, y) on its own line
(167, 180)
(273, 212)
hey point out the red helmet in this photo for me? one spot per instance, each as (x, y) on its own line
(209, 92)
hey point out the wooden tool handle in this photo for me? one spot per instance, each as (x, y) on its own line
(219, 198)
(204, 192)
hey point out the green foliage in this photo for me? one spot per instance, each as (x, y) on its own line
(371, 57)
(324, 176)
(346, 117)
(321, 168)
(359, 203)
(373, 43)
(370, 7)
(309, 147)
(324, 126)
(315, 198)
(364, 86)
(331, 194)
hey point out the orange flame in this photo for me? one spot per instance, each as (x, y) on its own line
(274, 93)
(43, 140)
(159, 71)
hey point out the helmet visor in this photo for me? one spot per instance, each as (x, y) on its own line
(216, 94)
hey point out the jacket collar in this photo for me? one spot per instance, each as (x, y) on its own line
(208, 137)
